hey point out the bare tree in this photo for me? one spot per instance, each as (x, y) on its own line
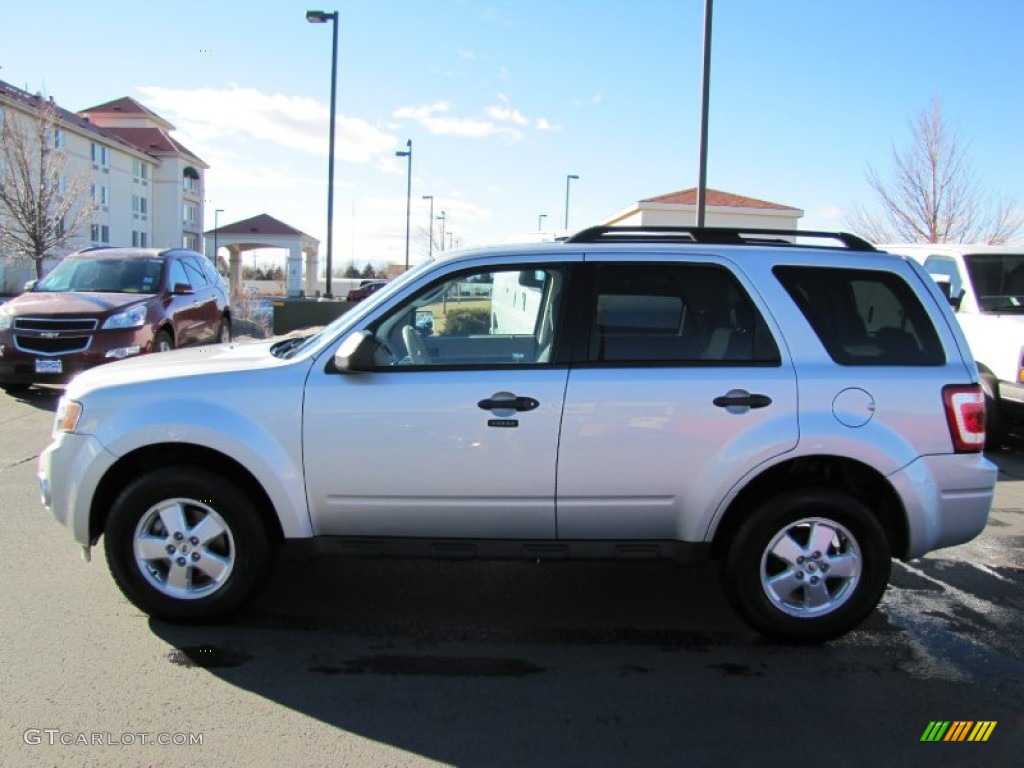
(42, 205)
(933, 195)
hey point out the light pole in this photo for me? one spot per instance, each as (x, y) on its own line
(216, 218)
(568, 178)
(322, 17)
(407, 154)
(540, 221)
(702, 171)
(444, 220)
(430, 243)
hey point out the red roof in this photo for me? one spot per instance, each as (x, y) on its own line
(717, 199)
(264, 224)
(151, 140)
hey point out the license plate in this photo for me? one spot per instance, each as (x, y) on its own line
(49, 366)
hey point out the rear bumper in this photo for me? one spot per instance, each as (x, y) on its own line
(947, 500)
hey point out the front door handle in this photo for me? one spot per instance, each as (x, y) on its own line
(507, 402)
(742, 399)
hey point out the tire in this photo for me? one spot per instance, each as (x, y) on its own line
(186, 545)
(995, 424)
(163, 342)
(224, 331)
(773, 569)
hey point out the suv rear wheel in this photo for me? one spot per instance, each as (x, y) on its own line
(185, 544)
(807, 566)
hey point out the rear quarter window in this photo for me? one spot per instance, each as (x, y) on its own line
(864, 317)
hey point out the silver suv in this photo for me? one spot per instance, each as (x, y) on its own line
(801, 413)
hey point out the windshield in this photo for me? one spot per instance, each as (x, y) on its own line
(104, 276)
(998, 280)
(330, 331)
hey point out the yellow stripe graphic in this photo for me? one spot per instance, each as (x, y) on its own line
(982, 730)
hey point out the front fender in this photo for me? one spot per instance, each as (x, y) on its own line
(258, 427)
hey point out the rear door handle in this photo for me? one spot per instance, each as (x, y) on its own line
(508, 403)
(742, 399)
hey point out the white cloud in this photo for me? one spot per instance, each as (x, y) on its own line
(505, 113)
(501, 119)
(435, 119)
(209, 115)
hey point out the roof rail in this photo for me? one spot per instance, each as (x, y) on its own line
(715, 235)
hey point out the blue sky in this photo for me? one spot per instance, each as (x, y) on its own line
(503, 98)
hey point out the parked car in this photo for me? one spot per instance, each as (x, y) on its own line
(800, 413)
(107, 304)
(985, 285)
(366, 288)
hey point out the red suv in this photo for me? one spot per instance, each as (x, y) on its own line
(105, 304)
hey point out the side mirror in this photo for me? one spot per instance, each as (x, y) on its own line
(356, 353)
(31, 285)
(182, 289)
(946, 288)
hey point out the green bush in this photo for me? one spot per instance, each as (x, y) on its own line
(466, 322)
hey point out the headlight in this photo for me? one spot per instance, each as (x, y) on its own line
(5, 320)
(130, 318)
(68, 414)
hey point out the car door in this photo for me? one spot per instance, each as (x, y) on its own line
(207, 309)
(186, 309)
(455, 432)
(680, 391)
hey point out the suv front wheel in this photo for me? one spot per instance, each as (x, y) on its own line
(807, 565)
(185, 544)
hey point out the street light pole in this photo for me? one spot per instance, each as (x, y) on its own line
(702, 173)
(430, 243)
(568, 178)
(540, 221)
(444, 220)
(216, 225)
(322, 17)
(407, 154)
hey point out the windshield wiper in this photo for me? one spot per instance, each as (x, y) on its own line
(282, 348)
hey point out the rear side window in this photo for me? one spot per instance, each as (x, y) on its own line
(864, 317)
(676, 313)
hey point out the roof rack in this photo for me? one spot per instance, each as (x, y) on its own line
(716, 235)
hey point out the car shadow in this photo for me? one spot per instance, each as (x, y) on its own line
(44, 398)
(514, 663)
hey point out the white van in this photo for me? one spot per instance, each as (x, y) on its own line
(986, 288)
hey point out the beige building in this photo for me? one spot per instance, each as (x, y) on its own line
(721, 209)
(147, 187)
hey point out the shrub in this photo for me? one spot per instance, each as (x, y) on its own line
(466, 322)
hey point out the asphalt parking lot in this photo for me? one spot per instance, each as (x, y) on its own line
(427, 663)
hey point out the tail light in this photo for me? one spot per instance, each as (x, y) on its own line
(965, 414)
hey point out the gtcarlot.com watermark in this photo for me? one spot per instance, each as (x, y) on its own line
(59, 737)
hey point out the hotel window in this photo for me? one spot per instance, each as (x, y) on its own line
(191, 242)
(142, 240)
(190, 180)
(135, 239)
(100, 155)
(58, 138)
(140, 171)
(190, 213)
(101, 194)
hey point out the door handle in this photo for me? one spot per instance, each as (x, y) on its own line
(508, 403)
(740, 399)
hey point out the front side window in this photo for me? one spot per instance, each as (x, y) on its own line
(998, 280)
(493, 318)
(864, 317)
(675, 314)
(178, 274)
